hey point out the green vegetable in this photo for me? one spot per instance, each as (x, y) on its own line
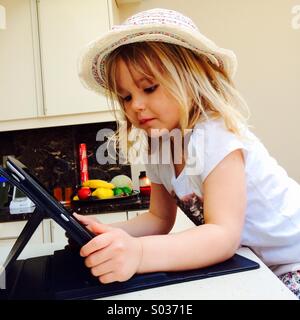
(118, 191)
(127, 190)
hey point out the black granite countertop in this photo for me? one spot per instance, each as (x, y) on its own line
(138, 203)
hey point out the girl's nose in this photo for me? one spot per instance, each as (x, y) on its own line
(138, 104)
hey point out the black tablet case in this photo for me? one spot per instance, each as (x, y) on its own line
(64, 276)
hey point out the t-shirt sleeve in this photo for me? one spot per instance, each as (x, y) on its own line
(152, 173)
(218, 143)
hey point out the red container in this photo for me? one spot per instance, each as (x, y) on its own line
(84, 175)
(145, 191)
(145, 184)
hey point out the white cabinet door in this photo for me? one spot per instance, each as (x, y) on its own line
(18, 95)
(66, 26)
(9, 232)
(57, 233)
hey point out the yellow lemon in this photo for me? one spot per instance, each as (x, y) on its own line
(103, 193)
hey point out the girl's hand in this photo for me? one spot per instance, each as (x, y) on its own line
(86, 220)
(113, 255)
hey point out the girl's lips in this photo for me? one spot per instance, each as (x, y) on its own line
(143, 121)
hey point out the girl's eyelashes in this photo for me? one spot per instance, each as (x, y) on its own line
(147, 90)
(151, 89)
(127, 98)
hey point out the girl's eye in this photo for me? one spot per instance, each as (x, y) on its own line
(151, 89)
(127, 98)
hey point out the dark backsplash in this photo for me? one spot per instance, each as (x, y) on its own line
(52, 153)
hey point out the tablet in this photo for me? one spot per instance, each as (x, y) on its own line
(20, 176)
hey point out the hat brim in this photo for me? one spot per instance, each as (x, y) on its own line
(92, 58)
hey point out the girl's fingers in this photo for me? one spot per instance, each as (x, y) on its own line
(99, 228)
(86, 221)
(105, 272)
(98, 257)
(97, 243)
(103, 268)
(107, 278)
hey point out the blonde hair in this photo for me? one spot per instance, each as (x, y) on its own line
(202, 89)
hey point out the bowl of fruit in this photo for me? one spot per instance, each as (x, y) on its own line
(96, 190)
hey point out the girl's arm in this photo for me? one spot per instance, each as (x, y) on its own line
(216, 240)
(114, 255)
(159, 220)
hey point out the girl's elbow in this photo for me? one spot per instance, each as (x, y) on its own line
(164, 225)
(168, 227)
(229, 241)
(234, 242)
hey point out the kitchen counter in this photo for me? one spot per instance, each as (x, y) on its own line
(258, 284)
(134, 204)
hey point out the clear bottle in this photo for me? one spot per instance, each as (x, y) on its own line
(144, 184)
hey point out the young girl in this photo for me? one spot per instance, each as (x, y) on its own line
(167, 76)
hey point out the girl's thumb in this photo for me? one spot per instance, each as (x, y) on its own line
(84, 219)
(98, 228)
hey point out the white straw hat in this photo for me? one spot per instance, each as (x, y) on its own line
(161, 25)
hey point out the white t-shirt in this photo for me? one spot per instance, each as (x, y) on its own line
(272, 222)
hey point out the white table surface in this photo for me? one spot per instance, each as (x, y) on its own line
(255, 284)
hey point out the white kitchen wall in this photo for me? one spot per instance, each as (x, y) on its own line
(265, 35)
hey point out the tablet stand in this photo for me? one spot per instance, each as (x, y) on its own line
(27, 232)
